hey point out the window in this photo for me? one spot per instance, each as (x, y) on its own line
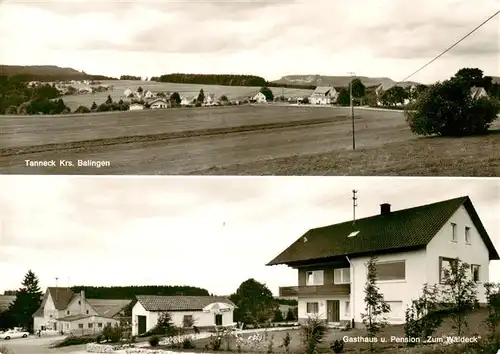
(79, 302)
(218, 320)
(474, 268)
(391, 270)
(396, 310)
(467, 235)
(312, 307)
(99, 325)
(342, 276)
(50, 316)
(187, 321)
(347, 310)
(80, 325)
(67, 325)
(67, 312)
(87, 312)
(314, 278)
(444, 264)
(454, 232)
(90, 325)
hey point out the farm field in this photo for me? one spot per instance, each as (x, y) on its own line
(188, 90)
(259, 140)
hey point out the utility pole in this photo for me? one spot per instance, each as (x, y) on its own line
(352, 112)
(354, 205)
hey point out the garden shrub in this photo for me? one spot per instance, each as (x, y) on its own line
(154, 341)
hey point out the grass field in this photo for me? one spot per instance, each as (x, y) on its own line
(242, 140)
(188, 90)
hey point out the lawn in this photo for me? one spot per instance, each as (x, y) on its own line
(244, 140)
(475, 327)
(188, 90)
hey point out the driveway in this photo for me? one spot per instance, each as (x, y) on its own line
(35, 345)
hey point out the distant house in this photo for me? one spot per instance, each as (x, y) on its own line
(84, 90)
(185, 101)
(323, 95)
(149, 94)
(63, 310)
(135, 107)
(210, 100)
(158, 103)
(259, 98)
(186, 311)
(128, 92)
(478, 92)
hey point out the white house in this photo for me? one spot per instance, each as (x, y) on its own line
(323, 95)
(128, 92)
(158, 103)
(135, 107)
(210, 100)
(185, 311)
(260, 98)
(187, 101)
(63, 310)
(478, 92)
(149, 94)
(413, 247)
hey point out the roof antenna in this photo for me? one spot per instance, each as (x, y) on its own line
(354, 205)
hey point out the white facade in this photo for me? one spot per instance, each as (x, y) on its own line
(135, 107)
(81, 326)
(200, 318)
(149, 94)
(128, 92)
(260, 98)
(159, 104)
(423, 266)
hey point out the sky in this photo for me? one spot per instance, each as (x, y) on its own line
(383, 38)
(208, 232)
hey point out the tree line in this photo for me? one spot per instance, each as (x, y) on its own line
(130, 77)
(224, 80)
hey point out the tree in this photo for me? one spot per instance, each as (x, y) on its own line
(470, 77)
(175, 97)
(290, 315)
(493, 300)
(93, 107)
(109, 100)
(423, 316)
(358, 89)
(201, 97)
(255, 302)
(375, 305)
(344, 98)
(223, 98)
(394, 95)
(459, 293)
(268, 93)
(28, 300)
(140, 89)
(447, 109)
(278, 316)
(82, 109)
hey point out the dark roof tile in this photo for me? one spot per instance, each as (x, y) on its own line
(179, 303)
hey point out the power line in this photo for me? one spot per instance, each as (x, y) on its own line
(454, 45)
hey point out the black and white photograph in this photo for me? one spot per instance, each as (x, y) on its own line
(249, 265)
(283, 87)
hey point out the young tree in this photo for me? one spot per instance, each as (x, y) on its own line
(109, 100)
(344, 98)
(493, 300)
(201, 97)
(140, 89)
(278, 316)
(290, 315)
(375, 305)
(423, 317)
(28, 300)
(459, 293)
(358, 89)
(175, 97)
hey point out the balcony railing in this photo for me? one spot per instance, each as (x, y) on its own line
(334, 289)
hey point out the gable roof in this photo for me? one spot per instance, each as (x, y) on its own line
(60, 296)
(159, 100)
(179, 303)
(400, 230)
(322, 90)
(108, 308)
(477, 92)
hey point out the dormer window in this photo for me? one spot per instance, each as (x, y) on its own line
(453, 232)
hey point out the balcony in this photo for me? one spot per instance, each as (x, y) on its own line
(334, 289)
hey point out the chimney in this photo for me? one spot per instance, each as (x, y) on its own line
(385, 209)
(82, 302)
